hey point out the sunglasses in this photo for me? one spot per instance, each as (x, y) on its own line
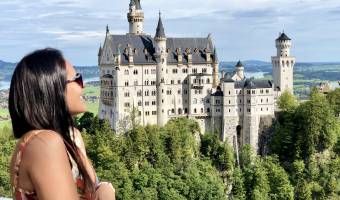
(78, 79)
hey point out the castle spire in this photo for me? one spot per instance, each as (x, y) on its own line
(160, 29)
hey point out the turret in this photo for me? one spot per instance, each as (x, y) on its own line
(283, 45)
(161, 58)
(100, 51)
(215, 69)
(135, 17)
(239, 69)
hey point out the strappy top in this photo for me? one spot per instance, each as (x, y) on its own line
(20, 194)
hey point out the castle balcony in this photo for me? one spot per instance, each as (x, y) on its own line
(197, 86)
(107, 101)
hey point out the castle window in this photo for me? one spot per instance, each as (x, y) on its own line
(174, 71)
(136, 83)
(153, 82)
(208, 110)
(179, 111)
(126, 72)
(267, 91)
(253, 91)
(146, 82)
(146, 103)
(229, 110)
(267, 100)
(208, 80)
(218, 110)
(261, 109)
(248, 91)
(204, 70)
(185, 110)
(173, 111)
(139, 93)
(135, 72)
(147, 113)
(194, 71)
(185, 71)
(153, 93)
(261, 100)
(185, 81)
(179, 91)
(126, 83)
(146, 71)
(185, 91)
(248, 100)
(127, 94)
(208, 101)
(127, 104)
(139, 103)
(195, 110)
(261, 91)
(153, 71)
(248, 110)
(229, 92)
(229, 102)
(240, 100)
(202, 110)
(153, 103)
(172, 82)
(154, 112)
(178, 81)
(218, 101)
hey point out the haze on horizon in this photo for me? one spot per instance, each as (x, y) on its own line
(242, 29)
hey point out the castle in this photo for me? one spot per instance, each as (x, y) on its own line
(164, 78)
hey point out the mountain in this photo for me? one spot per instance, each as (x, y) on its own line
(6, 64)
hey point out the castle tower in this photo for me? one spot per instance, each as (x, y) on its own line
(239, 69)
(161, 58)
(215, 70)
(135, 17)
(283, 64)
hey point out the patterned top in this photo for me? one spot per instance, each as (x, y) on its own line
(20, 194)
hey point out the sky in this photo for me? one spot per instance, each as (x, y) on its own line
(241, 29)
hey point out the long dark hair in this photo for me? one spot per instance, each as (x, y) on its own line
(37, 101)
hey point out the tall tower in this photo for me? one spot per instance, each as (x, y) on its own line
(135, 17)
(283, 64)
(161, 58)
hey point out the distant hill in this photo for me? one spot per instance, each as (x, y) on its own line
(6, 64)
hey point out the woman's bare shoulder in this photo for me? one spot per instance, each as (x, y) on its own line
(46, 144)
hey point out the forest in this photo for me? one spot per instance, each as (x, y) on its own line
(177, 161)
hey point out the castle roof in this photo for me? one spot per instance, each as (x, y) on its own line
(160, 29)
(253, 84)
(137, 3)
(283, 37)
(228, 77)
(145, 48)
(239, 64)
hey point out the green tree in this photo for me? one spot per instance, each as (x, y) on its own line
(334, 100)
(287, 101)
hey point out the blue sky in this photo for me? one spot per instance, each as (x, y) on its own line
(242, 29)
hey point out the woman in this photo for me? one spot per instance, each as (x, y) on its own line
(49, 161)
